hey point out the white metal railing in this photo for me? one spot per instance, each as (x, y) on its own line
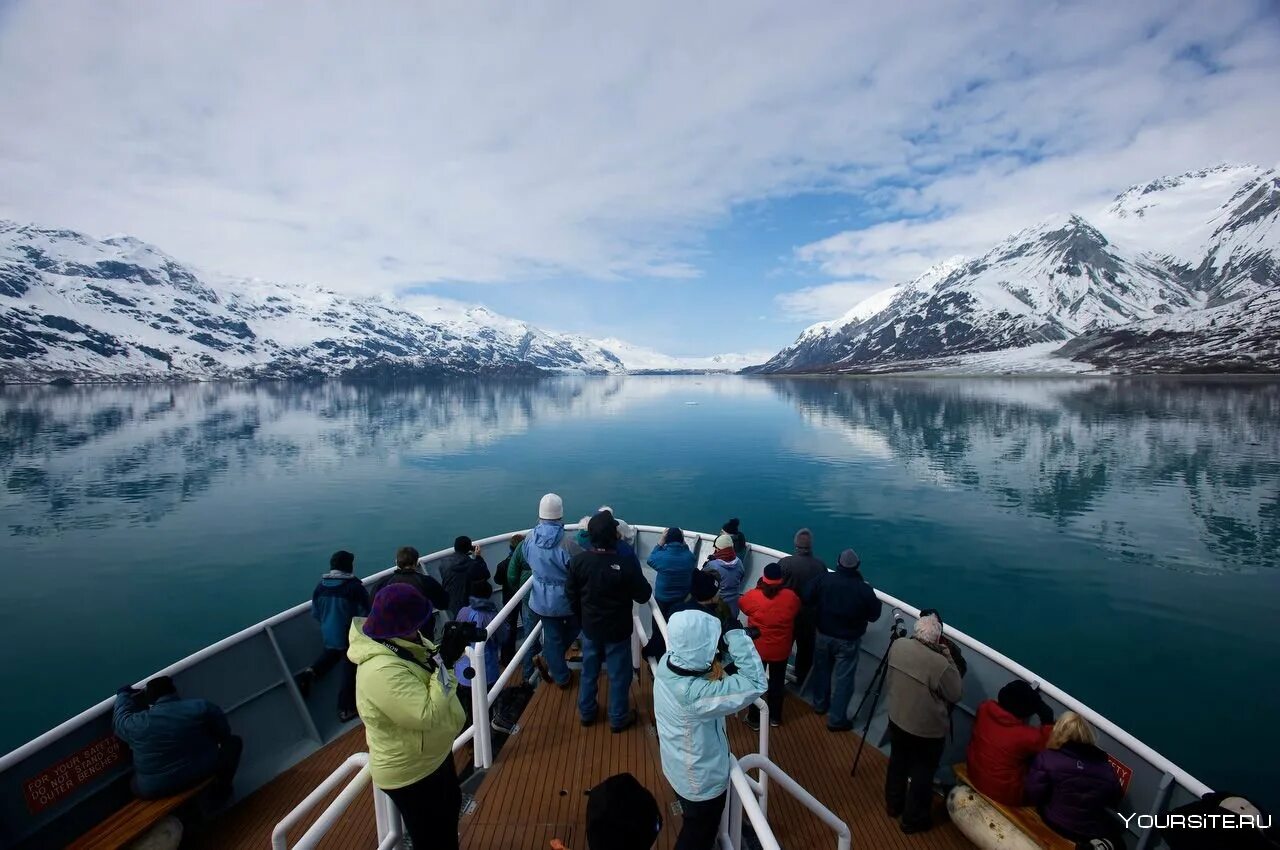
(390, 826)
(746, 790)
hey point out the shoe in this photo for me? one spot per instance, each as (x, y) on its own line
(503, 729)
(848, 728)
(753, 723)
(347, 715)
(774, 723)
(632, 717)
(892, 812)
(587, 721)
(567, 684)
(913, 828)
(304, 680)
(540, 664)
(817, 710)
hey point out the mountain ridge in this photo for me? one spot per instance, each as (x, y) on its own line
(1191, 256)
(119, 309)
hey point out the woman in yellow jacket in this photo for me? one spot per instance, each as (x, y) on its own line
(406, 696)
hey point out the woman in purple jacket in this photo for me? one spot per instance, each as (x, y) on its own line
(1074, 785)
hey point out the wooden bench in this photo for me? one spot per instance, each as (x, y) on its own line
(1025, 818)
(132, 821)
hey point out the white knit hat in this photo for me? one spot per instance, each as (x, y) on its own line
(724, 541)
(551, 507)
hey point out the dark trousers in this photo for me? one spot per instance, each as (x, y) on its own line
(325, 662)
(229, 752)
(701, 823)
(806, 631)
(508, 649)
(908, 787)
(776, 694)
(430, 808)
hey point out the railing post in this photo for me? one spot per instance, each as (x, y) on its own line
(298, 702)
(483, 739)
(1157, 806)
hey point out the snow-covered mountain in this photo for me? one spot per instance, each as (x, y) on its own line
(78, 308)
(1181, 274)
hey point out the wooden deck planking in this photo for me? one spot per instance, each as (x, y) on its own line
(535, 792)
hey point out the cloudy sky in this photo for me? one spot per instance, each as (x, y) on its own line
(694, 177)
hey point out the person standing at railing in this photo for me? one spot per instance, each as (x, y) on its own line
(460, 569)
(602, 586)
(923, 682)
(674, 564)
(410, 571)
(725, 561)
(338, 598)
(772, 609)
(406, 696)
(692, 695)
(509, 589)
(548, 555)
(844, 603)
(797, 571)
(733, 528)
(480, 609)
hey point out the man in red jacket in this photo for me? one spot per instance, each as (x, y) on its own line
(772, 608)
(1003, 742)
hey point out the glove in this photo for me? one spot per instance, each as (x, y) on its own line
(453, 645)
(752, 632)
(1045, 713)
(733, 625)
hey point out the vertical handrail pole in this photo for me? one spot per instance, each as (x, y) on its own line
(1157, 806)
(764, 752)
(480, 707)
(298, 702)
(381, 816)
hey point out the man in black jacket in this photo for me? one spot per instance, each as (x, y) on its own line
(798, 571)
(844, 604)
(460, 571)
(407, 572)
(601, 588)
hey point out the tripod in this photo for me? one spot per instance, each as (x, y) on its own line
(875, 686)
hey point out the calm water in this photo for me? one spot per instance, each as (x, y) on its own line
(1119, 537)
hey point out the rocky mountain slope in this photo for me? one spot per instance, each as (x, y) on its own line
(73, 307)
(1181, 274)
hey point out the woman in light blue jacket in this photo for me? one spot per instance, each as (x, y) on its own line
(691, 698)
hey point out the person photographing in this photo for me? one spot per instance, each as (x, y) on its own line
(692, 695)
(406, 694)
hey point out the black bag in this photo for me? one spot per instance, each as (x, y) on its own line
(508, 706)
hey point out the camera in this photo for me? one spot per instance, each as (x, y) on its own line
(464, 632)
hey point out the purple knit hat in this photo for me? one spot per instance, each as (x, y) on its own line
(399, 610)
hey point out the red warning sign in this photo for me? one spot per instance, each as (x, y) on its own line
(56, 782)
(1123, 772)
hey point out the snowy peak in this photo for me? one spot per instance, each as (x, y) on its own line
(1172, 247)
(79, 308)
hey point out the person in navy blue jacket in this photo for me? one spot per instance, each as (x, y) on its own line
(176, 743)
(844, 604)
(338, 597)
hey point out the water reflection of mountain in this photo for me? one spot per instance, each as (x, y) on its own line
(1204, 456)
(91, 457)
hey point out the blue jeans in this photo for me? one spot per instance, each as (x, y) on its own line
(528, 620)
(833, 693)
(617, 664)
(557, 634)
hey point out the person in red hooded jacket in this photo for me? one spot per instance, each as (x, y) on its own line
(1004, 743)
(772, 609)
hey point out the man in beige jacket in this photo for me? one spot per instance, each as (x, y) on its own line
(924, 682)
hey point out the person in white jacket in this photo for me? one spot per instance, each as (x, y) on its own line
(691, 697)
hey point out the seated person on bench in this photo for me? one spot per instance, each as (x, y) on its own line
(176, 743)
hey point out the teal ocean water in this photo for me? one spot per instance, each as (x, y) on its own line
(1119, 537)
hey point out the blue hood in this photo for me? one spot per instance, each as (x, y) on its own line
(476, 603)
(694, 637)
(547, 534)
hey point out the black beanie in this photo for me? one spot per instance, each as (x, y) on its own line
(1019, 699)
(706, 584)
(622, 815)
(342, 560)
(462, 544)
(731, 527)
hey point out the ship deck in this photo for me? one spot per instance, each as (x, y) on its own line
(535, 790)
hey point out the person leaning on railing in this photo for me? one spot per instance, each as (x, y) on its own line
(406, 696)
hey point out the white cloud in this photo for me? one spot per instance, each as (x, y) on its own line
(471, 143)
(815, 303)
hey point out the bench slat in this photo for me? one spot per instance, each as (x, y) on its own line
(1025, 818)
(131, 821)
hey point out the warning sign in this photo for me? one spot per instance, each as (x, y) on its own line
(1123, 772)
(56, 782)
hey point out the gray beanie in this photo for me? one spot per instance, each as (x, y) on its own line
(804, 539)
(849, 560)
